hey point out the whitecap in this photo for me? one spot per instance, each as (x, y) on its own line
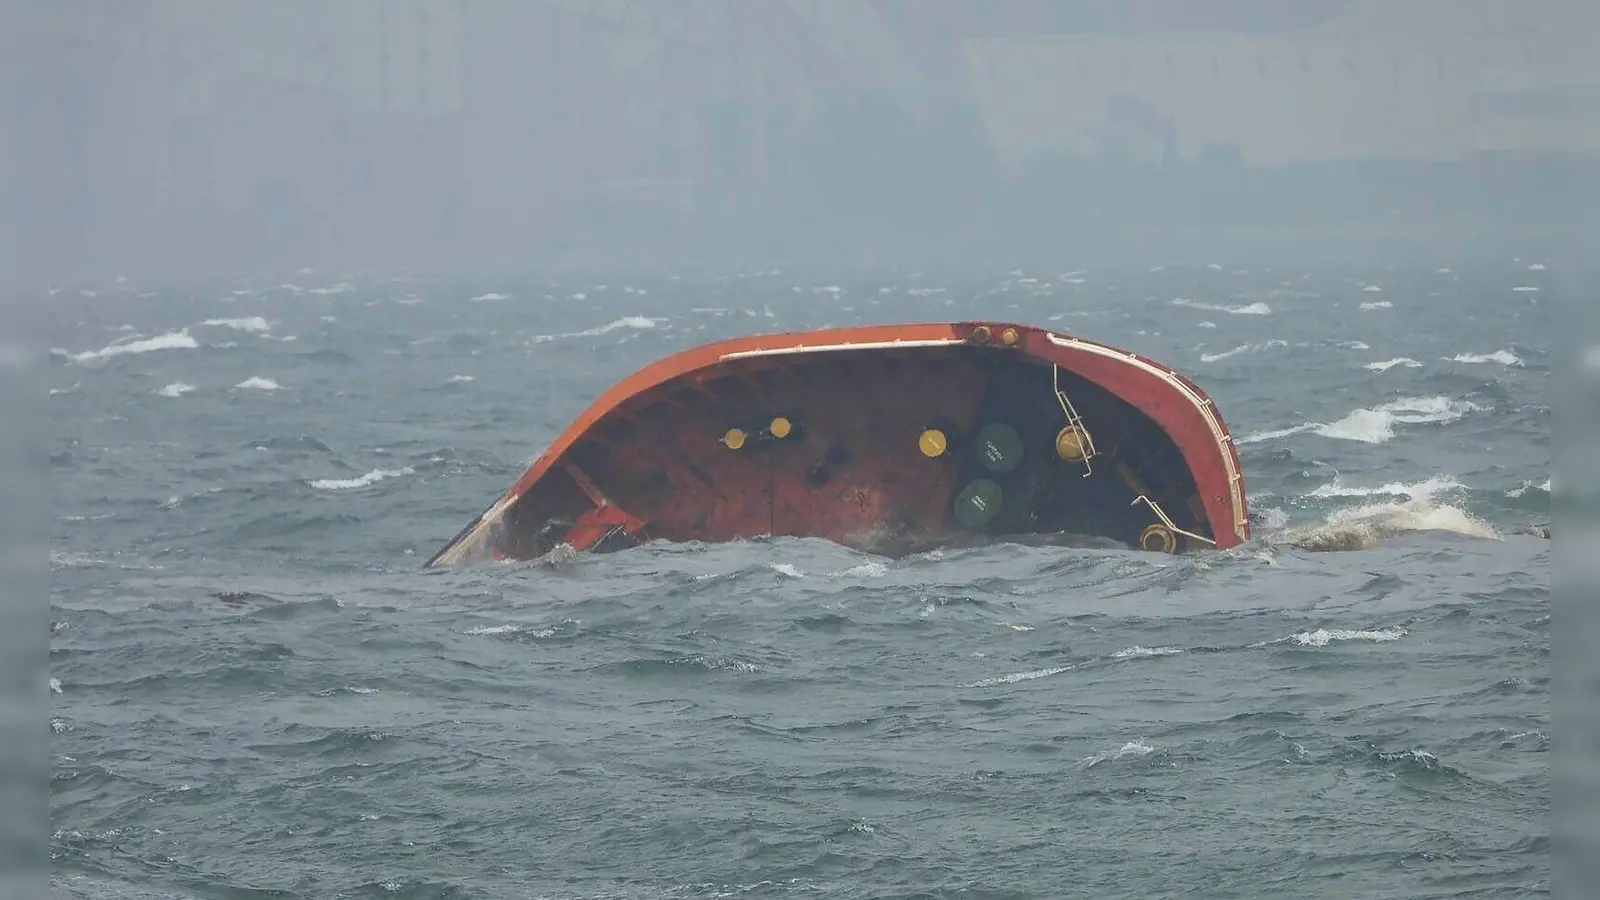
(1322, 637)
(257, 383)
(1243, 348)
(510, 628)
(1138, 652)
(1250, 309)
(1376, 425)
(176, 389)
(1425, 489)
(74, 560)
(870, 569)
(1271, 517)
(172, 340)
(1387, 364)
(1527, 486)
(637, 322)
(371, 478)
(1377, 304)
(1135, 749)
(253, 324)
(489, 297)
(1503, 357)
(1364, 527)
(1013, 678)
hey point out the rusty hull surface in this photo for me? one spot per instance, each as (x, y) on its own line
(649, 460)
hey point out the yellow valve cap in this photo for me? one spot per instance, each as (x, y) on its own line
(1009, 336)
(1072, 443)
(780, 427)
(1159, 538)
(932, 443)
(734, 439)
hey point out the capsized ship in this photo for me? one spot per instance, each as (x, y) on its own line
(892, 439)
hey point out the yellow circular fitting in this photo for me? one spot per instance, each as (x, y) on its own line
(1009, 336)
(734, 439)
(932, 443)
(780, 427)
(981, 334)
(1158, 538)
(1072, 442)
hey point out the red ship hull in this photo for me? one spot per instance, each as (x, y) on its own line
(886, 438)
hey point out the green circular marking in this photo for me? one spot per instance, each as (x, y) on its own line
(999, 448)
(977, 504)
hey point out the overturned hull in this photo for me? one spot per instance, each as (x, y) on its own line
(891, 439)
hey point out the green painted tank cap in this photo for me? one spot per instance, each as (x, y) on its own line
(977, 504)
(999, 448)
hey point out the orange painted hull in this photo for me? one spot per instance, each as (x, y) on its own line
(887, 438)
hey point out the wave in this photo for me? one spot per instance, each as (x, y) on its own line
(510, 628)
(1250, 309)
(1031, 675)
(1527, 486)
(1243, 348)
(176, 389)
(1503, 357)
(1365, 527)
(1134, 749)
(1387, 364)
(1138, 652)
(638, 322)
(1376, 425)
(1422, 489)
(172, 340)
(257, 383)
(253, 324)
(371, 478)
(1322, 637)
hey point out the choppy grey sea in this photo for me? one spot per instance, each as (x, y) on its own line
(258, 693)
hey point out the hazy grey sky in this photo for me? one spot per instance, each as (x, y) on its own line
(190, 137)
